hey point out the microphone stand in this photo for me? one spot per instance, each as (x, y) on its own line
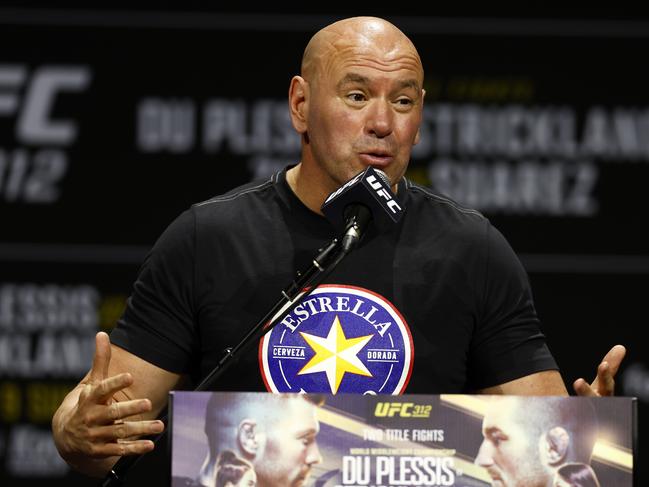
(323, 263)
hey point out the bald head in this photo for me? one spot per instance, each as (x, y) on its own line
(368, 37)
(225, 412)
(357, 102)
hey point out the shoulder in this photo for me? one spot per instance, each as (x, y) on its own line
(244, 206)
(426, 198)
(241, 195)
(440, 222)
(442, 215)
(220, 212)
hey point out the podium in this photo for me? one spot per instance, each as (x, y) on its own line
(408, 440)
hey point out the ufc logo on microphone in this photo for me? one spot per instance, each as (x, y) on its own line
(380, 190)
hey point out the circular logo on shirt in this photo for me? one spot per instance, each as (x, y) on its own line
(339, 339)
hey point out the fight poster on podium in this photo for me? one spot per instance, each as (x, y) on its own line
(312, 440)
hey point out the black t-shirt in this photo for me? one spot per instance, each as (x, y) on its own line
(438, 304)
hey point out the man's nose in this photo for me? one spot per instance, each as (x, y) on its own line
(380, 118)
(313, 455)
(484, 457)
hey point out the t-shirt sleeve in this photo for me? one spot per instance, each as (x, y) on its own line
(158, 322)
(508, 343)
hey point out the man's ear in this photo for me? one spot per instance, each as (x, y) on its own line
(298, 96)
(418, 134)
(248, 437)
(554, 445)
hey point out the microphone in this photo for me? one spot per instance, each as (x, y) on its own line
(365, 198)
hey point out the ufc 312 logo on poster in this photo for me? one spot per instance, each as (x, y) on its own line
(32, 169)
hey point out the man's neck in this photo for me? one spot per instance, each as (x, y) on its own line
(306, 189)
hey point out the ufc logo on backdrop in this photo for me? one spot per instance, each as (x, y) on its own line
(31, 96)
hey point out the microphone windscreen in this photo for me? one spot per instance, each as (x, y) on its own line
(371, 188)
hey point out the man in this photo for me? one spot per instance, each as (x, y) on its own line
(527, 439)
(275, 432)
(438, 304)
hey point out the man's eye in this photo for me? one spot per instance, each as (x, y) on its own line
(404, 101)
(307, 440)
(356, 97)
(497, 439)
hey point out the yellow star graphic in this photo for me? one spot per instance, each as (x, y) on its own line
(335, 354)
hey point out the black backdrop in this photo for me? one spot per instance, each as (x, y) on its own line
(114, 121)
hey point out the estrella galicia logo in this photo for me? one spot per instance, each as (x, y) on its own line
(340, 339)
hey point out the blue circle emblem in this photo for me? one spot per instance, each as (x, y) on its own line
(339, 339)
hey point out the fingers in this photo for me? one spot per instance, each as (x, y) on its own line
(101, 359)
(582, 388)
(605, 382)
(104, 390)
(122, 448)
(614, 358)
(102, 431)
(127, 430)
(117, 411)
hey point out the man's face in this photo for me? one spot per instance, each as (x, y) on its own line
(364, 109)
(290, 448)
(510, 449)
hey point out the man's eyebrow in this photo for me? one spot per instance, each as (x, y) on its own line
(355, 78)
(410, 83)
(306, 432)
(351, 78)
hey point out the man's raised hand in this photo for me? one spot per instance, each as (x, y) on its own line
(604, 383)
(96, 424)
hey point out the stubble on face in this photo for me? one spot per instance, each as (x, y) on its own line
(284, 460)
(515, 452)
